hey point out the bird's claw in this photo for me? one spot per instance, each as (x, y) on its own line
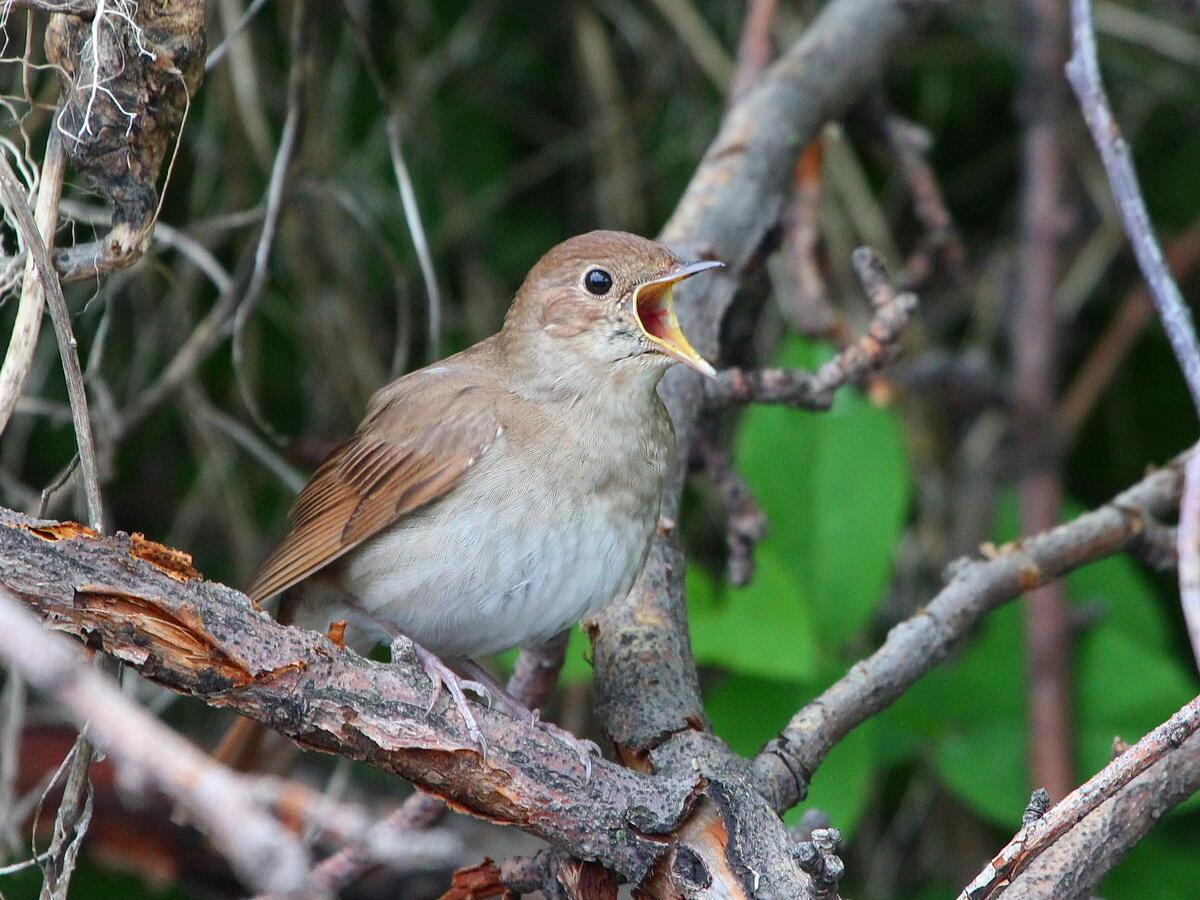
(583, 748)
(442, 676)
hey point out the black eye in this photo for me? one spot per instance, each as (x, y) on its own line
(598, 282)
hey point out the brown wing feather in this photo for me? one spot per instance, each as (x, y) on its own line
(421, 434)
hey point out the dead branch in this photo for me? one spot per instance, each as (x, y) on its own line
(1072, 867)
(1083, 71)
(785, 767)
(754, 46)
(1035, 350)
(28, 325)
(83, 8)
(243, 816)
(745, 522)
(531, 683)
(1037, 836)
(144, 604)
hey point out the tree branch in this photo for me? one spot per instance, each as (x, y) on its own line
(1036, 837)
(815, 390)
(231, 808)
(785, 767)
(1073, 866)
(144, 604)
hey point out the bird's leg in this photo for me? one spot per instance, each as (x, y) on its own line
(442, 676)
(582, 747)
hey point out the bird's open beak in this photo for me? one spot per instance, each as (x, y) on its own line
(654, 306)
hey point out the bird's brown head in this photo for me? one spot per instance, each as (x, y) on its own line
(602, 303)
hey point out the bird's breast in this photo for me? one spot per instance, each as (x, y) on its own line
(551, 525)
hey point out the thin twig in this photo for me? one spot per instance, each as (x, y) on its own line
(814, 390)
(18, 206)
(288, 140)
(23, 341)
(745, 523)
(1083, 71)
(234, 33)
(754, 47)
(1034, 342)
(408, 195)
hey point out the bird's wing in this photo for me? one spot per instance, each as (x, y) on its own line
(420, 435)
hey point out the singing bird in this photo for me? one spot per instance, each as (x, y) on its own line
(497, 497)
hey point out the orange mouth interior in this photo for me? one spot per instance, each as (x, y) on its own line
(654, 305)
(655, 312)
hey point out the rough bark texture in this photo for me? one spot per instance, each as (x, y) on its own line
(1080, 859)
(146, 605)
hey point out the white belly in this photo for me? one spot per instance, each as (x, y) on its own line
(468, 576)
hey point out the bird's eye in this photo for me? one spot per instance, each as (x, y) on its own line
(598, 282)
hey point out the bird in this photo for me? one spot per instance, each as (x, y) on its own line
(494, 498)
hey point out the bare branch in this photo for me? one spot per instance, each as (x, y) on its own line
(28, 325)
(18, 207)
(531, 683)
(231, 808)
(84, 8)
(144, 604)
(1083, 71)
(814, 390)
(1037, 836)
(1073, 866)
(786, 765)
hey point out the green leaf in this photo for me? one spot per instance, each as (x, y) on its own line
(985, 766)
(763, 629)
(1124, 688)
(835, 488)
(1159, 866)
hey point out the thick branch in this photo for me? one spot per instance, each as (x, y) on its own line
(144, 604)
(647, 686)
(245, 817)
(786, 765)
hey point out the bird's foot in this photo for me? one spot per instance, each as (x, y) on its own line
(442, 676)
(583, 748)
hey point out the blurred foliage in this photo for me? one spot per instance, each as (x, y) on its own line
(515, 143)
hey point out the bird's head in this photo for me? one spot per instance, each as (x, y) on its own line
(602, 304)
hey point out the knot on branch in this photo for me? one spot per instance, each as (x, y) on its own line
(1039, 802)
(818, 857)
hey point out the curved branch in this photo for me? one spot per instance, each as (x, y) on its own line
(786, 765)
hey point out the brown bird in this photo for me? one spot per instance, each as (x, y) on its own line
(495, 498)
